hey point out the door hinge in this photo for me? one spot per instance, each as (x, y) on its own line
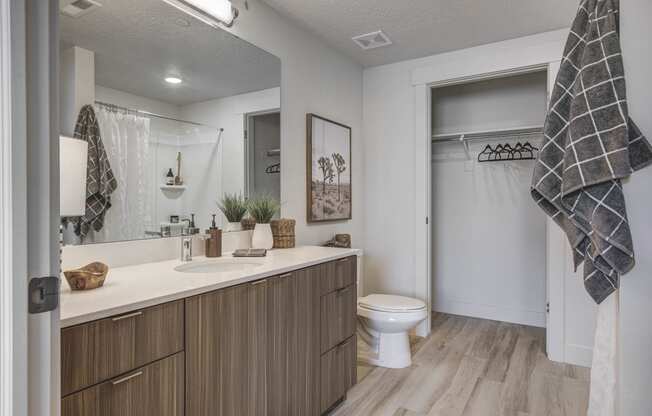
(426, 220)
(246, 135)
(43, 295)
(547, 307)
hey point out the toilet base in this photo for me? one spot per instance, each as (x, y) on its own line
(393, 351)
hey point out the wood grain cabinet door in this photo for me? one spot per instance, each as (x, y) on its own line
(338, 274)
(153, 390)
(338, 317)
(338, 373)
(303, 350)
(97, 351)
(293, 343)
(226, 351)
(278, 341)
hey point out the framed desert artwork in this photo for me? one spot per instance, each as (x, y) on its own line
(328, 170)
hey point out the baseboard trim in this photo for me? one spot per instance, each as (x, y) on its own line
(578, 355)
(492, 312)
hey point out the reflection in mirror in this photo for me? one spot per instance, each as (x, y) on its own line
(176, 113)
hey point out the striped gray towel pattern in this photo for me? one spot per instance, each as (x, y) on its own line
(100, 182)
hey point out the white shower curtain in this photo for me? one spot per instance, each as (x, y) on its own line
(126, 138)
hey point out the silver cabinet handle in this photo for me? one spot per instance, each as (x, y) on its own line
(127, 316)
(343, 290)
(286, 275)
(127, 378)
(343, 260)
(259, 282)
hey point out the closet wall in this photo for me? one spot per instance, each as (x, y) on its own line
(489, 237)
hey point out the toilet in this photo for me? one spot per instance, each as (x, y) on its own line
(383, 325)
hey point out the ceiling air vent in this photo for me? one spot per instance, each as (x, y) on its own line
(372, 40)
(78, 8)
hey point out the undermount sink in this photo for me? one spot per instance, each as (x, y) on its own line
(218, 266)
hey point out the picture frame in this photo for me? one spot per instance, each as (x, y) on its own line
(328, 170)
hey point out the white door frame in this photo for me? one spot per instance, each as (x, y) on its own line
(29, 194)
(13, 324)
(524, 55)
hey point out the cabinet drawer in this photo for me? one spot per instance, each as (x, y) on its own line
(338, 317)
(153, 390)
(97, 351)
(338, 373)
(338, 274)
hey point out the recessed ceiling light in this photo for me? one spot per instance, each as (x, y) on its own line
(173, 80)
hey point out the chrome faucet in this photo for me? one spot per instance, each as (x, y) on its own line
(186, 248)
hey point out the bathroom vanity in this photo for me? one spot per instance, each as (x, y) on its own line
(276, 338)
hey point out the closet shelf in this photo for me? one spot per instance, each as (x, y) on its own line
(487, 135)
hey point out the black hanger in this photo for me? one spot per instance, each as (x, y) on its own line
(505, 152)
(488, 151)
(275, 168)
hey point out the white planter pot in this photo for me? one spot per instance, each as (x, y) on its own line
(233, 226)
(262, 237)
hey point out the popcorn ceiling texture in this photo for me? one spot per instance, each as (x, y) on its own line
(420, 28)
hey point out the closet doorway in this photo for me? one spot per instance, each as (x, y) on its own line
(488, 252)
(569, 314)
(263, 154)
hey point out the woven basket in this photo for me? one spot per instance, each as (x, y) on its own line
(283, 232)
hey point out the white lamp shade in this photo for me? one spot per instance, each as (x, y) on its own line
(73, 161)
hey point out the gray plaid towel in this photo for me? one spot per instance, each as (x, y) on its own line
(100, 182)
(590, 145)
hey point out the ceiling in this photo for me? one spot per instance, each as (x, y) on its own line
(421, 28)
(138, 43)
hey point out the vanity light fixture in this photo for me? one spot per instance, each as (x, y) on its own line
(212, 12)
(173, 80)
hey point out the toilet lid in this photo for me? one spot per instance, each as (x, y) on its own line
(391, 303)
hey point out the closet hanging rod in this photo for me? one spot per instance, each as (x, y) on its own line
(490, 134)
(147, 113)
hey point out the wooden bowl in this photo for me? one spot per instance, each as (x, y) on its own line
(88, 277)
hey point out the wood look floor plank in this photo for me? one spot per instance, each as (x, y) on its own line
(517, 381)
(473, 367)
(456, 397)
(501, 353)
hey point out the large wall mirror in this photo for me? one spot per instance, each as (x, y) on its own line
(187, 113)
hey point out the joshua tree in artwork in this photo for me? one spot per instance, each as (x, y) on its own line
(340, 165)
(326, 166)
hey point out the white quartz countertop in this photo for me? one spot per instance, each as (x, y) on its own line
(135, 287)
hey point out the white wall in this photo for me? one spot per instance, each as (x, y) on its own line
(77, 82)
(503, 103)
(135, 102)
(390, 121)
(636, 287)
(489, 236)
(228, 113)
(389, 131)
(315, 79)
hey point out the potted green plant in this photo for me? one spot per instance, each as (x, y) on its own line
(234, 207)
(263, 208)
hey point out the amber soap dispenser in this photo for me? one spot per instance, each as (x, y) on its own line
(214, 240)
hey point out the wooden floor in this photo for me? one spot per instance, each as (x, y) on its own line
(473, 367)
